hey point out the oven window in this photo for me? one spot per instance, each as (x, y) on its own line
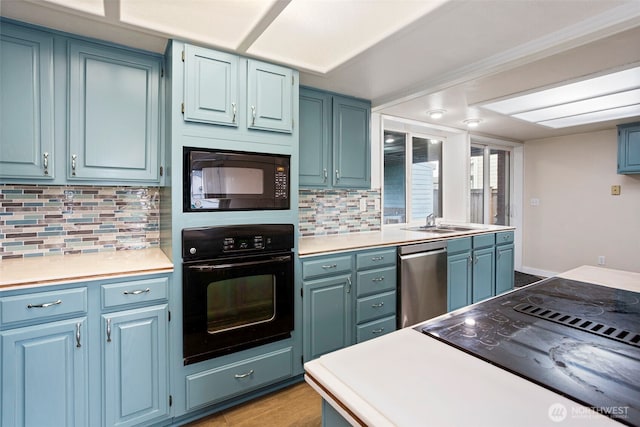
(239, 302)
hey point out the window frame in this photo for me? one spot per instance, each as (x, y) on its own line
(486, 149)
(409, 135)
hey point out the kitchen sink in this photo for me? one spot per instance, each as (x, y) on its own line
(443, 228)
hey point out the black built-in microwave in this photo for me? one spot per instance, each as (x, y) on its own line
(221, 180)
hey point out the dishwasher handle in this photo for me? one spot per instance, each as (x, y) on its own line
(422, 254)
(423, 247)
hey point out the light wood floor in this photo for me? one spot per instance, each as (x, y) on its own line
(295, 406)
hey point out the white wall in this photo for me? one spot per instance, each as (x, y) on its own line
(577, 218)
(455, 178)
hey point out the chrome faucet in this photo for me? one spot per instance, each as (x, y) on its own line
(431, 220)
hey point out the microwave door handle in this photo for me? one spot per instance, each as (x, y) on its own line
(239, 264)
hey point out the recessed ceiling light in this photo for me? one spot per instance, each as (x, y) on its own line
(606, 97)
(436, 114)
(472, 123)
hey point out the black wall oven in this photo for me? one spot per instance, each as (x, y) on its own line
(238, 285)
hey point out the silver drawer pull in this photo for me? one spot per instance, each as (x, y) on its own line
(245, 375)
(45, 163)
(378, 331)
(326, 266)
(377, 258)
(378, 279)
(381, 304)
(138, 292)
(45, 305)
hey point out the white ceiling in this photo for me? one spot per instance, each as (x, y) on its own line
(407, 56)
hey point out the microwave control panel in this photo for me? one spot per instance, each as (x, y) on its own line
(281, 185)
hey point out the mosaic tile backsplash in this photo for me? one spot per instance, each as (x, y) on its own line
(40, 220)
(323, 212)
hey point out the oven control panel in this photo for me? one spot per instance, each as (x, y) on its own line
(207, 242)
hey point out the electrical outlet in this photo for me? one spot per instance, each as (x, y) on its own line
(363, 204)
(615, 190)
(601, 260)
(535, 202)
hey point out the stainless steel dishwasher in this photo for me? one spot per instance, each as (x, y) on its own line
(423, 282)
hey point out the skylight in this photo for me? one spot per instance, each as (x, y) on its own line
(608, 97)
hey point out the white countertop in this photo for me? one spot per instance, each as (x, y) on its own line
(388, 236)
(48, 270)
(403, 379)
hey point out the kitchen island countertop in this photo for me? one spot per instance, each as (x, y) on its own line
(388, 236)
(405, 379)
(49, 270)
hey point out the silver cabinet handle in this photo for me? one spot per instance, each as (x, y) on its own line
(378, 279)
(45, 163)
(348, 285)
(498, 255)
(381, 304)
(327, 266)
(337, 175)
(108, 330)
(475, 260)
(138, 292)
(74, 157)
(325, 174)
(378, 331)
(470, 259)
(233, 108)
(45, 305)
(78, 335)
(245, 375)
(253, 115)
(377, 258)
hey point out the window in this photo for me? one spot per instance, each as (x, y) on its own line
(489, 185)
(412, 177)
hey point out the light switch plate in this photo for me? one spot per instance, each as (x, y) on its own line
(615, 190)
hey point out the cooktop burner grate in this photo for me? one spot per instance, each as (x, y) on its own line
(594, 327)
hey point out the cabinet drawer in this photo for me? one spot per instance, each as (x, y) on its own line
(459, 245)
(43, 306)
(375, 329)
(504, 237)
(221, 383)
(484, 240)
(135, 292)
(375, 306)
(374, 281)
(326, 266)
(376, 258)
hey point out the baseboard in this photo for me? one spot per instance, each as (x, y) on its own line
(537, 272)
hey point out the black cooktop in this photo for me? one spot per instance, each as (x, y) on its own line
(577, 339)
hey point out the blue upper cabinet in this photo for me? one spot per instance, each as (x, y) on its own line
(351, 149)
(269, 97)
(315, 135)
(211, 86)
(113, 114)
(26, 121)
(629, 148)
(335, 146)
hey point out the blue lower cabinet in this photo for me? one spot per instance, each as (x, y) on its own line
(215, 385)
(136, 376)
(504, 268)
(459, 279)
(484, 274)
(45, 375)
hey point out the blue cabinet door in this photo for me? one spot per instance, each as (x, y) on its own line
(315, 135)
(459, 276)
(483, 273)
(629, 148)
(504, 268)
(327, 315)
(269, 97)
(351, 147)
(26, 104)
(135, 377)
(44, 375)
(113, 114)
(211, 86)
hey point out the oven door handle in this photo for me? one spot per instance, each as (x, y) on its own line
(285, 258)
